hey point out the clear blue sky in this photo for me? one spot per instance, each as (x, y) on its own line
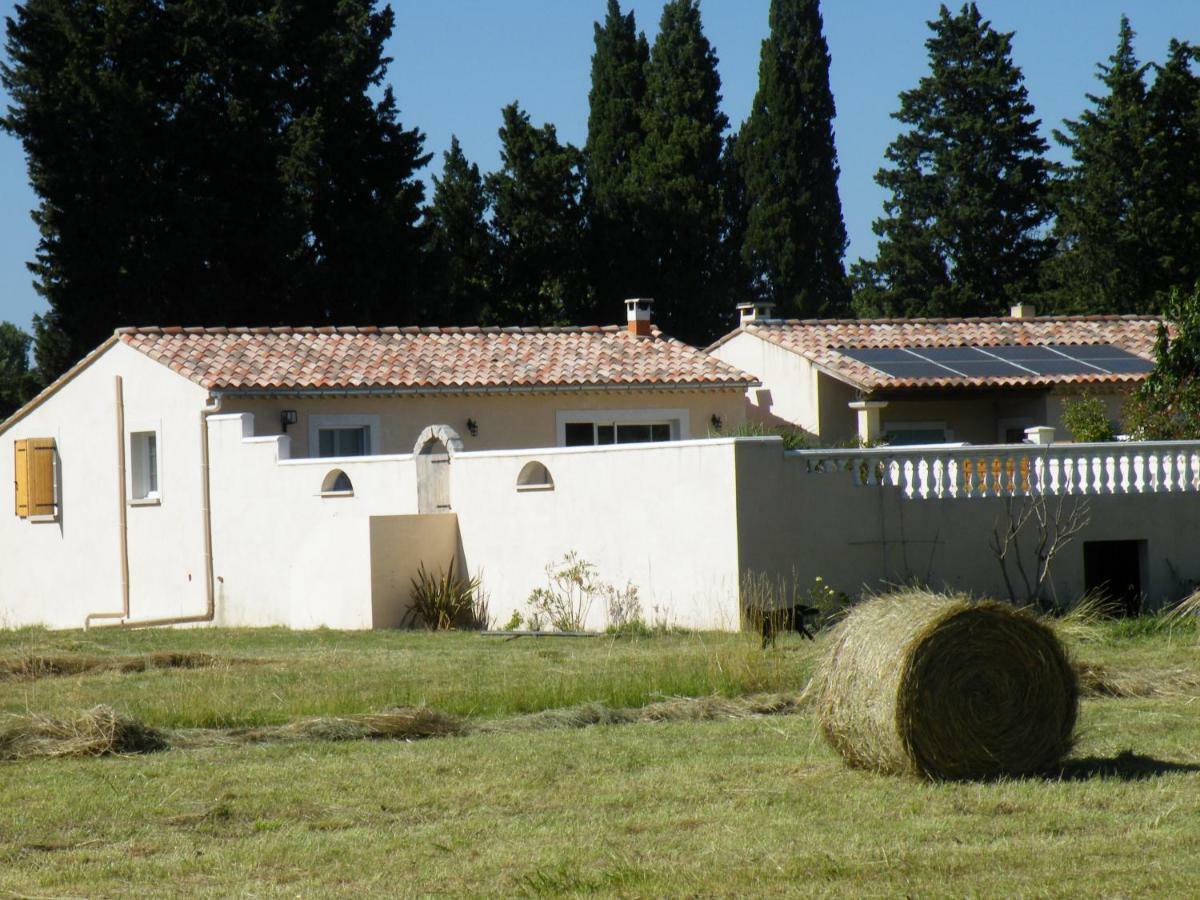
(457, 62)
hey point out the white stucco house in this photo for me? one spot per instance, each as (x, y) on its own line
(917, 381)
(124, 496)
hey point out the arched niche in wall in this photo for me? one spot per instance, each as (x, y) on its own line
(337, 484)
(535, 476)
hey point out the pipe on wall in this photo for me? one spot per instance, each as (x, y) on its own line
(210, 609)
(122, 524)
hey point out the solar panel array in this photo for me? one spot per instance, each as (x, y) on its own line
(999, 362)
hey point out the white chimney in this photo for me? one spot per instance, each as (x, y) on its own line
(754, 311)
(637, 311)
(1023, 311)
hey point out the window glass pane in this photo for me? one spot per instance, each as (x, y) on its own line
(143, 447)
(633, 434)
(916, 436)
(660, 432)
(343, 441)
(579, 434)
(152, 460)
(605, 434)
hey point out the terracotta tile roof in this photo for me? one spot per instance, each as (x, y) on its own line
(434, 359)
(820, 339)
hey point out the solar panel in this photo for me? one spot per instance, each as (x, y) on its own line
(1060, 366)
(1009, 361)
(950, 355)
(1022, 354)
(1131, 366)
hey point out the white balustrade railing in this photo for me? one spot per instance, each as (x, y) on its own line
(1005, 470)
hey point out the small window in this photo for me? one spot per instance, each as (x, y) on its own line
(35, 477)
(337, 484)
(535, 477)
(600, 434)
(143, 448)
(354, 441)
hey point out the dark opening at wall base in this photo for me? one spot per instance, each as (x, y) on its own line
(1112, 572)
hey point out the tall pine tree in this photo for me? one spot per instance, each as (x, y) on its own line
(795, 234)
(678, 174)
(538, 223)
(460, 242)
(962, 231)
(1105, 222)
(618, 267)
(15, 382)
(211, 162)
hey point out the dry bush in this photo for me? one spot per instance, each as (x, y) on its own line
(946, 688)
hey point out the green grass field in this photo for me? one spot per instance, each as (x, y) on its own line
(728, 806)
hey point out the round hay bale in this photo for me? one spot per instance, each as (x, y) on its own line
(945, 688)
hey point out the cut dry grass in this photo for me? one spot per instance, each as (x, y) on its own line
(947, 688)
(30, 666)
(100, 731)
(1099, 680)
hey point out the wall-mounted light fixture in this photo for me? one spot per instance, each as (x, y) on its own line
(717, 422)
(473, 427)
(288, 417)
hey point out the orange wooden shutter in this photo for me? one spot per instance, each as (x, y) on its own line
(41, 476)
(21, 476)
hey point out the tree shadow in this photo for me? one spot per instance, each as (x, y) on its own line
(1126, 766)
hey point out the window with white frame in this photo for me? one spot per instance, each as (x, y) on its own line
(593, 428)
(343, 435)
(143, 450)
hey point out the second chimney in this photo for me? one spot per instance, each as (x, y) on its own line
(1023, 311)
(754, 311)
(637, 310)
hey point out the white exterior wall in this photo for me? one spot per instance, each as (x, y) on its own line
(789, 392)
(660, 516)
(56, 572)
(283, 554)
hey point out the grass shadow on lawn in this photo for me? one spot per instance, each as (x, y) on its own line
(1125, 766)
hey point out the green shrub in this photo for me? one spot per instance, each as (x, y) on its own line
(1087, 420)
(793, 438)
(447, 600)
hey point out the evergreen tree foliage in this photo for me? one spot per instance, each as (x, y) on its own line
(618, 267)
(678, 174)
(537, 220)
(1166, 406)
(1174, 160)
(795, 235)
(969, 184)
(460, 243)
(15, 376)
(1105, 218)
(211, 162)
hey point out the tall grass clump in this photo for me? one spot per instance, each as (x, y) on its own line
(946, 688)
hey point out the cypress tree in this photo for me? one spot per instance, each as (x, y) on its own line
(537, 221)
(795, 234)
(1173, 152)
(211, 162)
(15, 386)
(969, 184)
(678, 174)
(617, 264)
(1105, 218)
(460, 245)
